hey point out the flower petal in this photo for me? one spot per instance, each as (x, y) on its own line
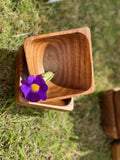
(24, 81)
(39, 80)
(33, 97)
(28, 81)
(44, 87)
(43, 95)
(25, 90)
(43, 92)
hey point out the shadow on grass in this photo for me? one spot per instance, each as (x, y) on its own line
(7, 74)
(7, 86)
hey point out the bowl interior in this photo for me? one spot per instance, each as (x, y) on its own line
(67, 55)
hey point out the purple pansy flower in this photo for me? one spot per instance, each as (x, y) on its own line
(34, 88)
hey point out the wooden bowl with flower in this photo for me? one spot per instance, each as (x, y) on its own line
(21, 81)
(68, 55)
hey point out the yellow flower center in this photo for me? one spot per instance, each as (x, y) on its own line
(35, 87)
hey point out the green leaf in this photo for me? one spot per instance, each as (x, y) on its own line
(54, 146)
(12, 139)
(48, 76)
(21, 152)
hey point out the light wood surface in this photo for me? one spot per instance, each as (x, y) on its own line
(22, 72)
(68, 54)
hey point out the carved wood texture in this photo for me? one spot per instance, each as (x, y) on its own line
(68, 55)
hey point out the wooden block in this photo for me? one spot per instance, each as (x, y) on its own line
(22, 72)
(116, 151)
(66, 53)
(110, 105)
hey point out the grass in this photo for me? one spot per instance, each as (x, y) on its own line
(27, 133)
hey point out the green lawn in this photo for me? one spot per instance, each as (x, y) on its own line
(32, 134)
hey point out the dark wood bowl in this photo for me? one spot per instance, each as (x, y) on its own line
(22, 72)
(68, 55)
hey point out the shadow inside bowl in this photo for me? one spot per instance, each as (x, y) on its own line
(68, 56)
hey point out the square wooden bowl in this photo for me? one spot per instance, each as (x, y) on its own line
(22, 72)
(67, 54)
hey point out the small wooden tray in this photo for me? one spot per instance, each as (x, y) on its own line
(22, 72)
(67, 54)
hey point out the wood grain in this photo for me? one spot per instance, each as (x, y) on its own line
(116, 151)
(67, 54)
(117, 110)
(110, 105)
(108, 114)
(22, 72)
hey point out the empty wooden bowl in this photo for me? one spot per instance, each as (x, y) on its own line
(22, 72)
(68, 55)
